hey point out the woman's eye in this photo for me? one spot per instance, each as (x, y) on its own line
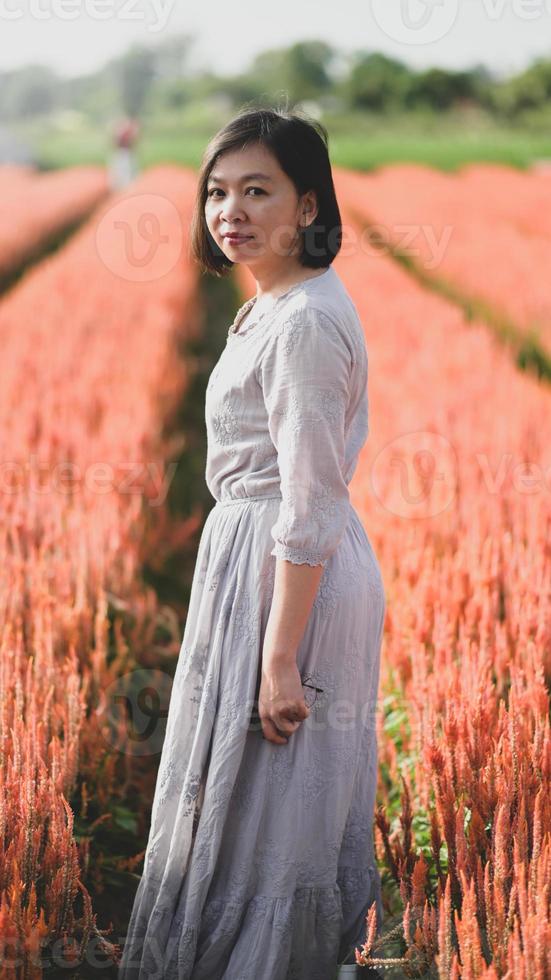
(215, 190)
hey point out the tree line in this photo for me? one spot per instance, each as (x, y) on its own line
(153, 78)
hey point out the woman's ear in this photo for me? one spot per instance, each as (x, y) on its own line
(309, 208)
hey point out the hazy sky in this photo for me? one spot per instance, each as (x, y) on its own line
(77, 36)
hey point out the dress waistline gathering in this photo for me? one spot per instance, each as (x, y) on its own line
(245, 500)
(230, 501)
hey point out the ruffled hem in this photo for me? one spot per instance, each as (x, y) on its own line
(355, 884)
(297, 556)
(303, 936)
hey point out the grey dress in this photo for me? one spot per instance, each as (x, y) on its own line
(260, 861)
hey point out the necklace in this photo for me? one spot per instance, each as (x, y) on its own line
(242, 312)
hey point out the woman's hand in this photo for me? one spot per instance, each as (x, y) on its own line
(281, 705)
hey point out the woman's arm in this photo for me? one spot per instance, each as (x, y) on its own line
(305, 378)
(281, 703)
(295, 589)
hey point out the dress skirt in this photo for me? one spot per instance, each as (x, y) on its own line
(260, 862)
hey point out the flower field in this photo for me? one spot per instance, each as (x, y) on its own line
(482, 233)
(37, 208)
(462, 529)
(453, 487)
(88, 371)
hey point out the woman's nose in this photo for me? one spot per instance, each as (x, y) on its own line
(231, 209)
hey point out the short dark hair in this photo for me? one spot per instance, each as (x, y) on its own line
(300, 145)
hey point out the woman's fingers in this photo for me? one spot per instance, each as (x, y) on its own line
(285, 726)
(292, 714)
(284, 723)
(271, 733)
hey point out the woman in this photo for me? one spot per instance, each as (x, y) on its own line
(260, 860)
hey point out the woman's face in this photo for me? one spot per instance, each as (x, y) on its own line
(249, 195)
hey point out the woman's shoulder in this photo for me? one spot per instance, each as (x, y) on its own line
(325, 302)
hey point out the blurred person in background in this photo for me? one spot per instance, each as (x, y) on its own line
(123, 167)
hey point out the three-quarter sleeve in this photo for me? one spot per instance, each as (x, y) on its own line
(305, 378)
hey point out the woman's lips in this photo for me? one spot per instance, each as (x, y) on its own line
(237, 239)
